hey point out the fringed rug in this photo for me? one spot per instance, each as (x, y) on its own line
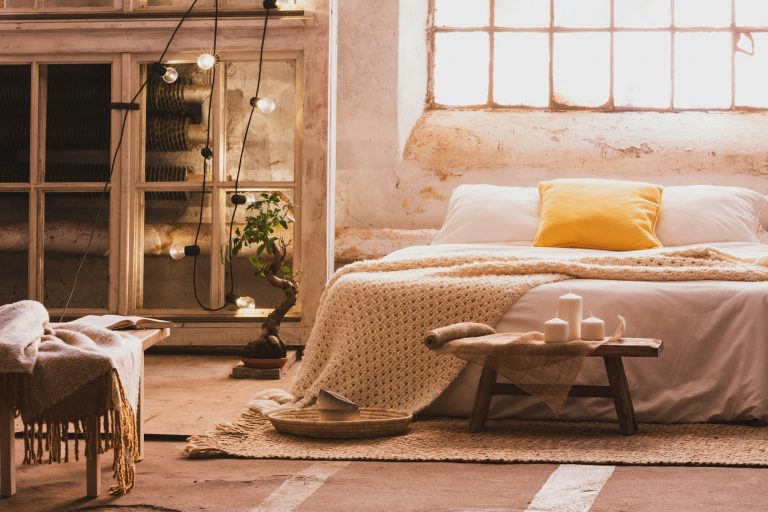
(503, 441)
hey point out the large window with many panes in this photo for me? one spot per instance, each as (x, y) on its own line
(608, 55)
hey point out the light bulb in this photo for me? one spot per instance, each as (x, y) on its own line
(250, 198)
(206, 61)
(171, 75)
(245, 302)
(177, 252)
(266, 105)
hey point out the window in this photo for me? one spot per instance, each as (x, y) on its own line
(607, 55)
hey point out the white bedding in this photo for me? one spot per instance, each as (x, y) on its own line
(715, 361)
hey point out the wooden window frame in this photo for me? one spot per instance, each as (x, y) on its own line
(609, 106)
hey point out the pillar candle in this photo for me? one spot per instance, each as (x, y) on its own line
(555, 331)
(592, 329)
(570, 309)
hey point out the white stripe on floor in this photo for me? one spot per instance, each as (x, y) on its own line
(299, 487)
(571, 488)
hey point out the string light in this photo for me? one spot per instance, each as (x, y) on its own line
(167, 73)
(177, 252)
(266, 105)
(242, 302)
(206, 61)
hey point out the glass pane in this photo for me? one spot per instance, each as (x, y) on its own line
(752, 13)
(77, 122)
(522, 13)
(642, 69)
(643, 13)
(583, 13)
(460, 13)
(269, 155)
(80, 3)
(176, 125)
(521, 69)
(703, 70)
(702, 13)
(461, 68)
(14, 123)
(752, 72)
(179, 4)
(69, 218)
(246, 282)
(14, 242)
(19, 4)
(170, 221)
(582, 68)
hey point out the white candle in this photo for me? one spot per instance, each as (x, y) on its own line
(555, 331)
(570, 308)
(592, 329)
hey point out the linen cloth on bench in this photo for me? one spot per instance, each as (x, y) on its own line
(60, 374)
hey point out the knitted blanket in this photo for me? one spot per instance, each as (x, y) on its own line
(367, 339)
(55, 375)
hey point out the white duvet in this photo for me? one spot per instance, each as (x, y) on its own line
(714, 365)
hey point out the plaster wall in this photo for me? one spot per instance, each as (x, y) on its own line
(397, 164)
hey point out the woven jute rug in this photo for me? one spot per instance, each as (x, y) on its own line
(447, 439)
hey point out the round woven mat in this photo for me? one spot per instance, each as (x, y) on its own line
(371, 423)
(442, 439)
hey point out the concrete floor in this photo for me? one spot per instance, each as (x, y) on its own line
(193, 399)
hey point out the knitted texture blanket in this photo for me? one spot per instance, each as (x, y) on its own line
(367, 339)
(57, 375)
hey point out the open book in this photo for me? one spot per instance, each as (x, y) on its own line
(119, 322)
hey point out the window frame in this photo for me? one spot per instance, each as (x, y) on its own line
(609, 106)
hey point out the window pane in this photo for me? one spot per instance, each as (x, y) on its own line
(69, 218)
(271, 138)
(643, 13)
(522, 13)
(703, 70)
(582, 13)
(77, 122)
(521, 69)
(179, 4)
(176, 125)
(14, 242)
(461, 68)
(170, 220)
(702, 13)
(642, 69)
(246, 282)
(14, 123)
(752, 13)
(80, 3)
(18, 4)
(752, 74)
(460, 13)
(582, 68)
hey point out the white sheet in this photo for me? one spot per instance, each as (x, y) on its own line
(714, 366)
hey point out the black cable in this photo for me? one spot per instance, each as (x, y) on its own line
(242, 152)
(112, 166)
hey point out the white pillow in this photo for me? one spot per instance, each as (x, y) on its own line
(698, 214)
(488, 213)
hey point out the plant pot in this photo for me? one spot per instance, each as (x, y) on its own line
(264, 363)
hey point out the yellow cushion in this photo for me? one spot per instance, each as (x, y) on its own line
(598, 214)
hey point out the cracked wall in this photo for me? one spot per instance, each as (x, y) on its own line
(386, 188)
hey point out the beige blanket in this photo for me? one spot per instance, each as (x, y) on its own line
(366, 342)
(57, 375)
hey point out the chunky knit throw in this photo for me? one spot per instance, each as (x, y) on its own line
(70, 374)
(367, 339)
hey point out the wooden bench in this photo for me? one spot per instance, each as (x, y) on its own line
(618, 390)
(148, 337)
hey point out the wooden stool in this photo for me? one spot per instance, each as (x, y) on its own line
(618, 390)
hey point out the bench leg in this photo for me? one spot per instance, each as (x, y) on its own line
(621, 397)
(139, 414)
(93, 463)
(7, 452)
(482, 399)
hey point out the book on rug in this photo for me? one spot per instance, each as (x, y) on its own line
(119, 322)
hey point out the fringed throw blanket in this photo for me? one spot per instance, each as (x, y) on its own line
(57, 375)
(367, 339)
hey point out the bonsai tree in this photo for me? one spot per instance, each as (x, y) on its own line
(265, 217)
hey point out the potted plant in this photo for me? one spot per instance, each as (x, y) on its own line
(267, 217)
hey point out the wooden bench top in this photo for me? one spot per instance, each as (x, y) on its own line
(630, 347)
(150, 337)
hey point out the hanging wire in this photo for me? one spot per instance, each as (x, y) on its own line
(108, 181)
